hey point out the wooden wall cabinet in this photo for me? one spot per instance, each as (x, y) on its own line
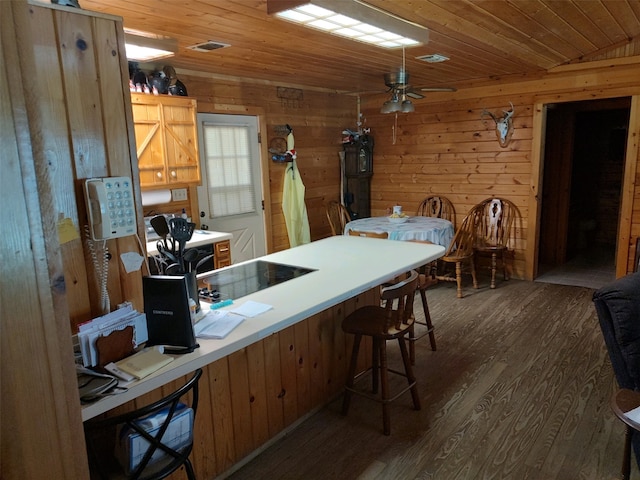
(166, 140)
(222, 254)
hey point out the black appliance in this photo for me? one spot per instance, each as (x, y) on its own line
(244, 279)
(166, 306)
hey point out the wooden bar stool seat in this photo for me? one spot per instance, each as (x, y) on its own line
(393, 321)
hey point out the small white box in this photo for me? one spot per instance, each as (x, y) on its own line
(131, 446)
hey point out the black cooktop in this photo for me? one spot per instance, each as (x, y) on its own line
(247, 278)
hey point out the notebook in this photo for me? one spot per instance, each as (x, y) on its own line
(144, 363)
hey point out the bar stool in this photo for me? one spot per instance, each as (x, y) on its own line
(425, 280)
(392, 321)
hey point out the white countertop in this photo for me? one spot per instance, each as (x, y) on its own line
(346, 266)
(200, 237)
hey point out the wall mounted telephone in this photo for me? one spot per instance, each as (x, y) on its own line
(110, 207)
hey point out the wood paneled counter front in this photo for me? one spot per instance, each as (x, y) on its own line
(268, 359)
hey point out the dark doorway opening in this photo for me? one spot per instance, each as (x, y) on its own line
(583, 171)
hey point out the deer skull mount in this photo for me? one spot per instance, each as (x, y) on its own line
(504, 125)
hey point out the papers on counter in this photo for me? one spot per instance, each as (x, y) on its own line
(251, 309)
(218, 323)
(90, 331)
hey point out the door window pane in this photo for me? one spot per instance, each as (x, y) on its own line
(228, 163)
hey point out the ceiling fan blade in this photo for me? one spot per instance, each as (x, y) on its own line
(366, 92)
(438, 89)
(414, 94)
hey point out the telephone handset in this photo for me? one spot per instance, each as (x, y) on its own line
(110, 207)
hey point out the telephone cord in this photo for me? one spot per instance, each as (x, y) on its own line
(101, 269)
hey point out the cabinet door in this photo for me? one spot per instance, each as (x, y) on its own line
(149, 142)
(181, 137)
(166, 140)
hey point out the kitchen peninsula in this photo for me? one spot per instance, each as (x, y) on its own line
(276, 368)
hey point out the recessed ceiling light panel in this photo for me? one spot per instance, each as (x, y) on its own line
(145, 46)
(347, 23)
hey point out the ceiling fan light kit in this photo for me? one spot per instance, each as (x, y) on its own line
(407, 106)
(390, 106)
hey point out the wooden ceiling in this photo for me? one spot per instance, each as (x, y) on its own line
(484, 39)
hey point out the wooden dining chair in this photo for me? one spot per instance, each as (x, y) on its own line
(338, 217)
(391, 321)
(460, 253)
(360, 233)
(493, 220)
(437, 206)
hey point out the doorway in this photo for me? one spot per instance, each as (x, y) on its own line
(583, 172)
(231, 196)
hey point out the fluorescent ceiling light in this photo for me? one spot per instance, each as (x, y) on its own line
(352, 19)
(144, 47)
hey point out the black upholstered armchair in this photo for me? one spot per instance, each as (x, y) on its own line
(618, 308)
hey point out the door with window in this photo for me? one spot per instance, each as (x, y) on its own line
(230, 197)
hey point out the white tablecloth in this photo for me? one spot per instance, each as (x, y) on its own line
(434, 230)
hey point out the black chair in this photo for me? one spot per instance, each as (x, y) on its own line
(618, 308)
(101, 433)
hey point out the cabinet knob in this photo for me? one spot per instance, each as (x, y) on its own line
(174, 174)
(159, 175)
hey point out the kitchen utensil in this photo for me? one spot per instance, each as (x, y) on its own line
(190, 256)
(179, 228)
(166, 253)
(161, 227)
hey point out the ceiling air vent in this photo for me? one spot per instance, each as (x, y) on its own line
(433, 58)
(208, 46)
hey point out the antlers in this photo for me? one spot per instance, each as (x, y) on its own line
(505, 117)
(504, 125)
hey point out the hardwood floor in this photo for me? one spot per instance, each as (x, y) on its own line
(519, 388)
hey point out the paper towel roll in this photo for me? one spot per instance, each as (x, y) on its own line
(155, 197)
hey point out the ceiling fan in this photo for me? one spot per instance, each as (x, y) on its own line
(401, 90)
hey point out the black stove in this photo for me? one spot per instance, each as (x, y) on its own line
(247, 278)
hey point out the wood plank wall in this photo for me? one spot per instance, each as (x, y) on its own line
(444, 147)
(82, 83)
(317, 118)
(64, 118)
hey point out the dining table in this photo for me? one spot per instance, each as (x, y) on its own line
(430, 229)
